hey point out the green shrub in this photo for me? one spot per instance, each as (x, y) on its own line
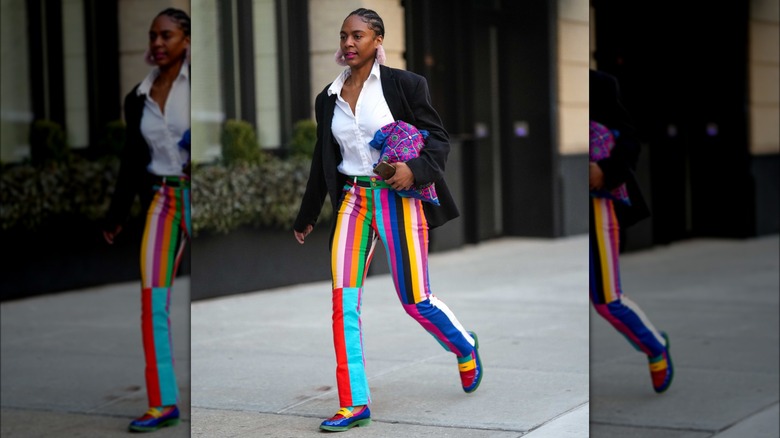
(114, 138)
(264, 194)
(31, 196)
(303, 139)
(47, 142)
(239, 143)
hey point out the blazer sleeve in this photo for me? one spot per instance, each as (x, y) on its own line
(316, 187)
(429, 166)
(131, 168)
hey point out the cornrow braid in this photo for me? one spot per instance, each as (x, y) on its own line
(180, 17)
(371, 18)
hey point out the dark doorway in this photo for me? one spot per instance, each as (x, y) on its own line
(683, 78)
(491, 70)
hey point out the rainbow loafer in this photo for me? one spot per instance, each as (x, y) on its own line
(346, 419)
(470, 368)
(661, 369)
(155, 418)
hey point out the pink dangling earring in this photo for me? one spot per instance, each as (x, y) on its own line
(380, 55)
(148, 57)
(339, 58)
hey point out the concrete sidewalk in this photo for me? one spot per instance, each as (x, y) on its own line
(72, 363)
(718, 301)
(263, 363)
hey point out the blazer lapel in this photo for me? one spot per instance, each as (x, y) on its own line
(390, 89)
(327, 119)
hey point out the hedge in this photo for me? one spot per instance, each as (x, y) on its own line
(267, 194)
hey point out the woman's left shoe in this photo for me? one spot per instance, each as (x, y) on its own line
(155, 418)
(661, 369)
(346, 419)
(471, 368)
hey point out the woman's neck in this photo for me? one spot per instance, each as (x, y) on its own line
(169, 73)
(357, 76)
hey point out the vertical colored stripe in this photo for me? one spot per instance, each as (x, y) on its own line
(403, 254)
(149, 243)
(342, 363)
(336, 261)
(360, 243)
(419, 249)
(147, 330)
(186, 212)
(358, 381)
(613, 228)
(407, 205)
(603, 250)
(348, 243)
(162, 345)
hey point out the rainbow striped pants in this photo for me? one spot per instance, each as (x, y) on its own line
(368, 214)
(165, 235)
(605, 291)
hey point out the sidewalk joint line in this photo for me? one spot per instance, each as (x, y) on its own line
(410, 423)
(564, 413)
(382, 374)
(749, 416)
(643, 426)
(118, 399)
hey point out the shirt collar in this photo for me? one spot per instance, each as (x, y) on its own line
(147, 83)
(338, 83)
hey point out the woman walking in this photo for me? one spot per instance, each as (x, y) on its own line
(156, 167)
(365, 97)
(616, 203)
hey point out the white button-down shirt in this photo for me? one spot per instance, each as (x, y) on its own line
(163, 130)
(353, 131)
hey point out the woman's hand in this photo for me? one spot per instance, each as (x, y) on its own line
(403, 178)
(301, 235)
(595, 177)
(111, 235)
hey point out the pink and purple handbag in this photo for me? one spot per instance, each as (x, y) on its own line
(602, 140)
(399, 142)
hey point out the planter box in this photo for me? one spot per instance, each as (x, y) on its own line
(69, 255)
(250, 259)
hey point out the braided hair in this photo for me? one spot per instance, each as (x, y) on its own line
(371, 18)
(179, 17)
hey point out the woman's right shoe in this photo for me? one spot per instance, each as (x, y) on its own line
(661, 369)
(346, 419)
(155, 418)
(470, 368)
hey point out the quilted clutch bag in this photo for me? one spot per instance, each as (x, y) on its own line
(400, 141)
(602, 141)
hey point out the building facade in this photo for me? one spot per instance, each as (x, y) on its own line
(71, 62)
(508, 79)
(702, 88)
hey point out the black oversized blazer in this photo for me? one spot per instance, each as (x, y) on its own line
(409, 100)
(607, 109)
(135, 157)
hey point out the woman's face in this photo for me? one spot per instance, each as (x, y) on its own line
(358, 42)
(167, 41)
